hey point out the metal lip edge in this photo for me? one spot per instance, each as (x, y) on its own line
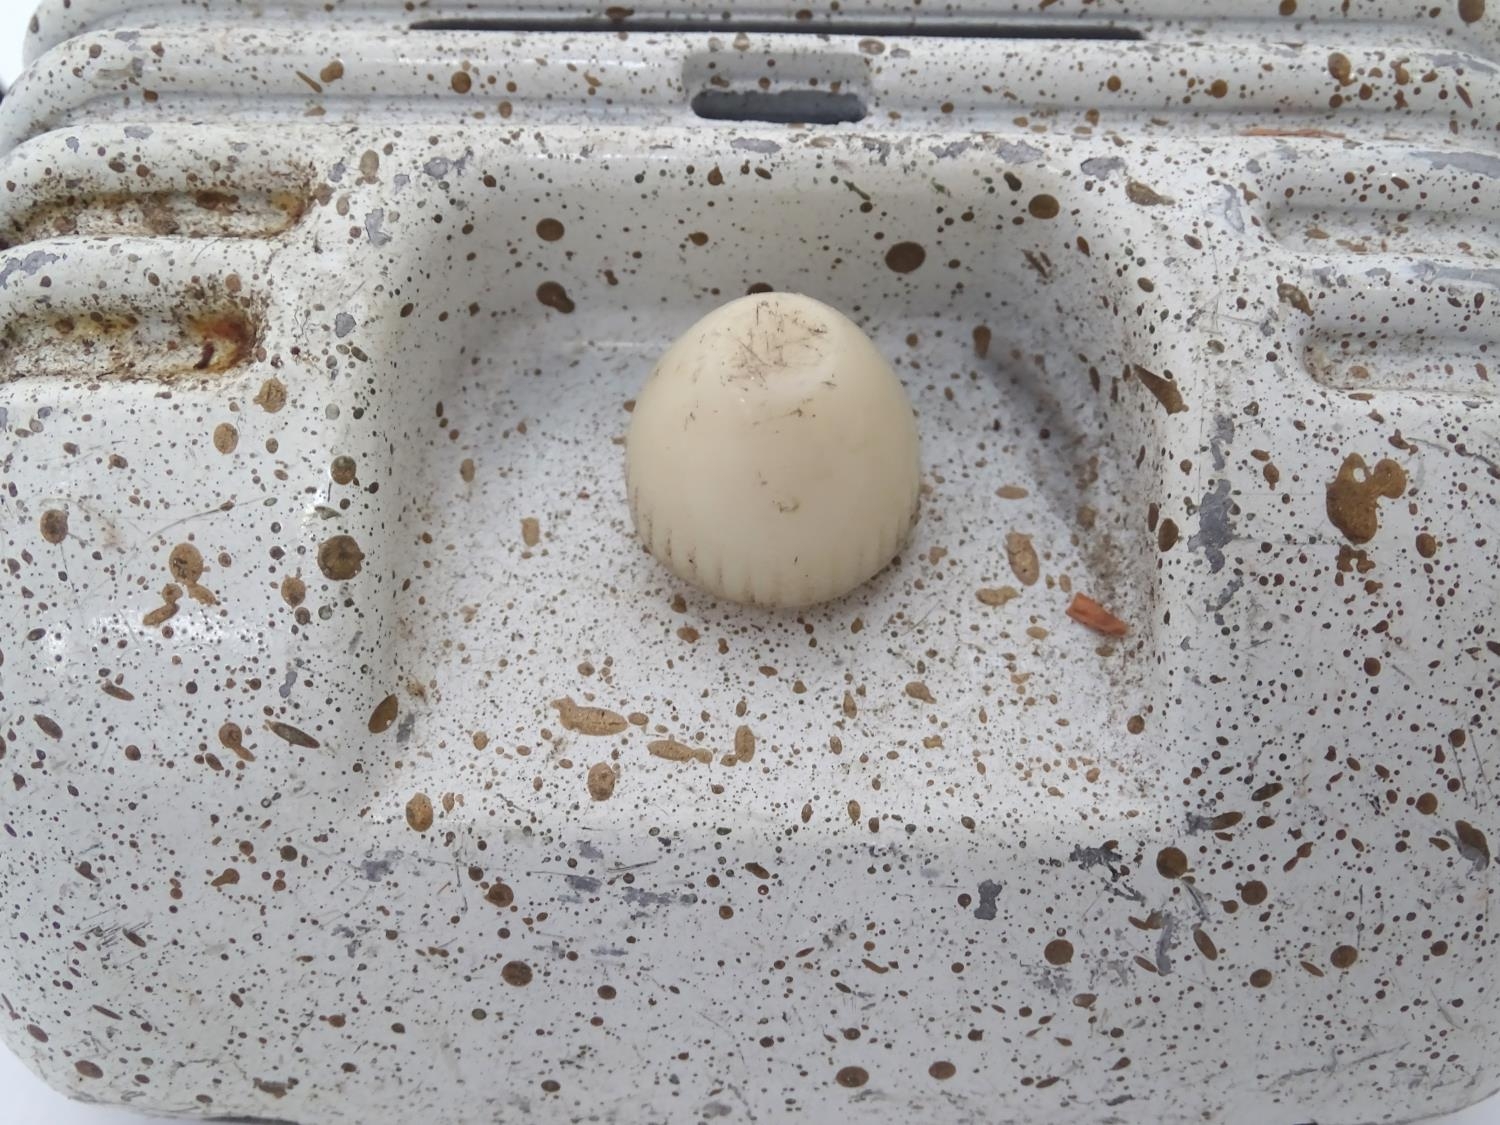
(58, 20)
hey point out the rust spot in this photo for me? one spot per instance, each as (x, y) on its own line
(982, 337)
(1253, 893)
(1087, 612)
(1344, 956)
(226, 437)
(461, 82)
(588, 720)
(293, 590)
(1340, 68)
(1059, 951)
(1354, 495)
(1471, 11)
(531, 531)
(904, 257)
(384, 715)
(1163, 389)
(601, 781)
(342, 469)
(549, 230)
(288, 733)
(918, 690)
(516, 973)
(1261, 978)
(272, 395)
(332, 72)
(554, 296)
(419, 812)
(716, 177)
(54, 525)
(1426, 545)
(340, 558)
(942, 1070)
(852, 1077)
(500, 895)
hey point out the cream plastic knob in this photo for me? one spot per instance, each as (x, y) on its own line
(772, 457)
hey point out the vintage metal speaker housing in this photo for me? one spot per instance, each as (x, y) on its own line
(359, 766)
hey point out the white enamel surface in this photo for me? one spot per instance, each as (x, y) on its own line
(1260, 824)
(772, 457)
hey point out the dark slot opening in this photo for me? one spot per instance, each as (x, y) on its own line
(964, 29)
(783, 107)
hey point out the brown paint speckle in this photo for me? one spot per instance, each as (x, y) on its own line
(54, 525)
(1022, 556)
(516, 973)
(550, 230)
(554, 296)
(1171, 863)
(674, 751)
(601, 781)
(1164, 390)
(1166, 535)
(1043, 206)
(852, 1077)
(1355, 492)
(272, 395)
(419, 812)
(1471, 11)
(1059, 951)
(588, 720)
(1143, 196)
(384, 715)
(340, 558)
(1205, 944)
(226, 437)
(905, 257)
(186, 563)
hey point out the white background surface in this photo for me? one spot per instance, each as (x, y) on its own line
(30, 1102)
